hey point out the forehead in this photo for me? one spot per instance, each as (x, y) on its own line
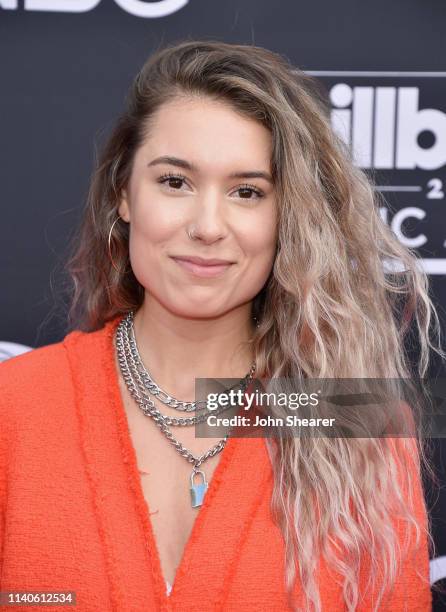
(209, 132)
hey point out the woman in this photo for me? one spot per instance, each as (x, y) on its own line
(227, 234)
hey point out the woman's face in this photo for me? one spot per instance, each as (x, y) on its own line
(206, 188)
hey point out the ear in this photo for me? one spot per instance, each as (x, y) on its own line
(124, 208)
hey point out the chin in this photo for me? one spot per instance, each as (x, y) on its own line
(196, 312)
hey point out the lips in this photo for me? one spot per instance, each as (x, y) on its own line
(200, 261)
(205, 268)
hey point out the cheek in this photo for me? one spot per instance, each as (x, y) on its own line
(153, 226)
(152, 222)
(259, 247)
(259, 237)
(150, 231)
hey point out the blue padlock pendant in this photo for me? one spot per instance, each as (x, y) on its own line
(197, 491)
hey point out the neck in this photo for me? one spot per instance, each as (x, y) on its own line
(177, 350)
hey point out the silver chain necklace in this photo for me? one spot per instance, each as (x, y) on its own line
(147, 382)
(140, 383)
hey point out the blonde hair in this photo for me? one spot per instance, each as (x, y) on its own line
(328, 309)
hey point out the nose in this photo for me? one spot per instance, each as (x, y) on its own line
(208, 220)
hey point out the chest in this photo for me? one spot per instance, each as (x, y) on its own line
(165, 481)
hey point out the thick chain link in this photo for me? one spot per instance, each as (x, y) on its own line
(147, 381)
(129, 360)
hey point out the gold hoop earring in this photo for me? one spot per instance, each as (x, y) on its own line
(109, 243)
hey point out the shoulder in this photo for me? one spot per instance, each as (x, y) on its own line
(47, 363)
(33, 384)
(41, 375)
(43, 365)
(47, 369)
(19, 369)
(42, 383)
(30, 386)
(31, 374)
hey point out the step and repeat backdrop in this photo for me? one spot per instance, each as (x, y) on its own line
(65, 67)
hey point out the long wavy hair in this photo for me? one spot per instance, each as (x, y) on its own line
(328, 310)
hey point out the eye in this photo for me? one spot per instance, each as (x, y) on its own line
(172, 179)
(175, 181)
(249, 189)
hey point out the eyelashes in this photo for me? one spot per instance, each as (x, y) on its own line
(163, 179)
(166, 178)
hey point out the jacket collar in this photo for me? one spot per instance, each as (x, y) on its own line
(234, 494)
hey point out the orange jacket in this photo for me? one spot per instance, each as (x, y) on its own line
(73, 515)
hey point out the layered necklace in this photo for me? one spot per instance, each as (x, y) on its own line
(142, 388)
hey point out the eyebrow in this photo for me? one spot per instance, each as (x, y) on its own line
(182, 163)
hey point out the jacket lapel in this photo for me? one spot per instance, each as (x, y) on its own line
(235, 491)
(106, 463)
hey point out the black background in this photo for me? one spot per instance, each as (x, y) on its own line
(64, 77)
